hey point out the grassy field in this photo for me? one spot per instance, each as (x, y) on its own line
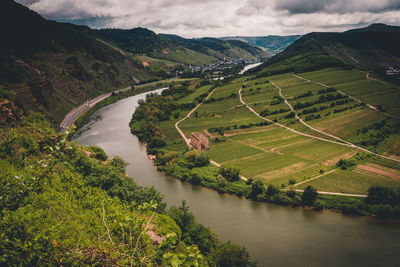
(350, 181)
(274, 154)
(356, 84)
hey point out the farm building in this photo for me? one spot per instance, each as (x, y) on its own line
(199, 141)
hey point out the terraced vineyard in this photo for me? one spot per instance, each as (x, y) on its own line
(333, 101)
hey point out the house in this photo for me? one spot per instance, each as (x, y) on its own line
(199, 141)
(392, 71)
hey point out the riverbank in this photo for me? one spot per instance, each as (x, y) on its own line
(268, 231)
(81, 115)
(173, 158)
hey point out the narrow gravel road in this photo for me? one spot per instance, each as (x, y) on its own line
(342, 143)
(352, 97)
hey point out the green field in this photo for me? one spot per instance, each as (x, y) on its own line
(274, 154)
(350, 182)
(356, 84)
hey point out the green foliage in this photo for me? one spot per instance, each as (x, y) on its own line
(98, 153)
(60, 207)
(345, 163)
(230, 174)
(119, 163)
(309, 196)
(230, 254)
(257, 188)
(272, 190)
(197, 158)
(383, 195)
(216, 252)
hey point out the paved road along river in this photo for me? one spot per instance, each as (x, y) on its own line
(274, 235)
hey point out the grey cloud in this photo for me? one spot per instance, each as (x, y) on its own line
(197, 18)
(336, 6)
(27, 2)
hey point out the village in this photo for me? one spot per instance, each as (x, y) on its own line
(221, 65)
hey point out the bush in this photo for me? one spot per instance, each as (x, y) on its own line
(198, 158)
(99, 153)
(156, 142)
(380, 195)
(119, 163)
(291, 193)
(249, 181)
(257, 188)
(345, 163)
(309, 196)
(292, 181)
(272, 190)
(318, 205)
(230, 174)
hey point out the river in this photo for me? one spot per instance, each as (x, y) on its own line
(250, 66)
(274, 235)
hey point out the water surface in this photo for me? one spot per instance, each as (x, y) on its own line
(274, 235)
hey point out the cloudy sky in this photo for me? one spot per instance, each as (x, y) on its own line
(197, 18)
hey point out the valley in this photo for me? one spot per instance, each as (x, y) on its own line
(129, 146)
(275, 154)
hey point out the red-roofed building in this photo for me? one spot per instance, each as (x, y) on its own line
(199, 141)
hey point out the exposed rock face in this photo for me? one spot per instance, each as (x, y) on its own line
(9, 113)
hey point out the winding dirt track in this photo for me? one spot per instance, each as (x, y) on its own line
(341, 92)
(342, 142)
(187, 141)
(352, 97)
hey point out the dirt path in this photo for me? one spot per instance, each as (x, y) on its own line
(316, 177)
(342, 143)
(286, 127)
(373, 79)
(303, 122)
(187, 140)
(335, 194)
(352, 97)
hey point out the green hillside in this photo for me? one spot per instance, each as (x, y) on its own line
(53, 67)
(373, 47)
(219, 49)
(63, 204)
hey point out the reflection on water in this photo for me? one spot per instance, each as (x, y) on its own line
(274, 235)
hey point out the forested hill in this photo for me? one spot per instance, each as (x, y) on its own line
(375, 46)
(218, 48)
(53, 67)
(178, 49)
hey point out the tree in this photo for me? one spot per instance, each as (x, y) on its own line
(231, 254)
(272, 190)
(379, 195)
(119, 163)
(230, 174)
(249, 181)
(197, 157)
(257, 187)
(98, 153)
(195, 179)
(309, 196)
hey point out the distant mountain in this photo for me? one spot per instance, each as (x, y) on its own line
(218, 48)
(52, 67)
(376, 46)
(271, 44)
(178, 49)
